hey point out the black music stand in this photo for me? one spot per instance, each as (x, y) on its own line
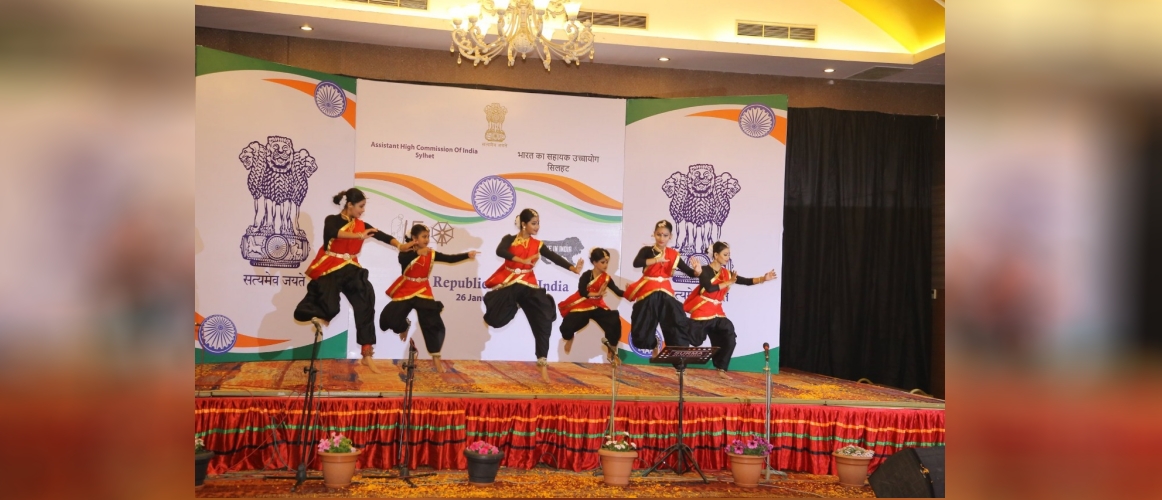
(680, 357)
(403, 450)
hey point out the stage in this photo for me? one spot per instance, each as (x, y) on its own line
(249, 413)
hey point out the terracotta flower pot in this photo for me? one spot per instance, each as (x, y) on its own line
(482, 468)
(746, 469)
(852, 470)
(616, 466)
(201, 463)
(338, 468)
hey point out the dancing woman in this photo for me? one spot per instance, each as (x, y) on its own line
(705, 306)
(653, 296)
(588, 303)
(513, 286)
(336, 270)
(413, 291)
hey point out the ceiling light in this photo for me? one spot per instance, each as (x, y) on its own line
(829, 70)
(663, 58)
(306, 28)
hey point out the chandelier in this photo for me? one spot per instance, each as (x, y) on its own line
(523, 27)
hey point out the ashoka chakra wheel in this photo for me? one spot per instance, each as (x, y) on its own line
(493, 197)
(756, 120)
(647, 353)
(330, 99)
(277, 247)
(217, 334)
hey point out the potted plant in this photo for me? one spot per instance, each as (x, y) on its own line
(852, 462)
(338, 456)
(202, 458)
(617, 457)
(746, 460)
(483, 462)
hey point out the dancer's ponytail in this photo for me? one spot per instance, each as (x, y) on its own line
(353, 195)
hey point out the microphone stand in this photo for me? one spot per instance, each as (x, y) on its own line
(767, 370)
(403, 448)
(307, 432)
(615, 363)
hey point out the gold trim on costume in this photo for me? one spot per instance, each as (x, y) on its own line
(419, 294)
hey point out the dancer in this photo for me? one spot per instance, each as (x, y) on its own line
(413, 291)
(514, 286)
(650, 308)
(336, 269)
(588, 303)
(705, 306)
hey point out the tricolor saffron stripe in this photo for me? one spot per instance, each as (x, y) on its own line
(429, 191)
(779, 131)
(309, 89)
(438, 217)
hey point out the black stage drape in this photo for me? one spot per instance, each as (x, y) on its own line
(857, 246)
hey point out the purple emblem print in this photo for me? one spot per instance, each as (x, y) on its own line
(699, 205)
(278, 182)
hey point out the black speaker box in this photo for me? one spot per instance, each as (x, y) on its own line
(911, 473)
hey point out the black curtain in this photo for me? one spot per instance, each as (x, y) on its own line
(857, 246)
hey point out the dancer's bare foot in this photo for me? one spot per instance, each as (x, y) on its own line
(370, 364)
(610, 353)
(436, 361)
(657, 349)
(722, 373)
(403, 336)
(367, 360)
(568, 346)
(544, 365)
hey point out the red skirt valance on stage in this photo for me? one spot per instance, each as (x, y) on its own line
(255, 433)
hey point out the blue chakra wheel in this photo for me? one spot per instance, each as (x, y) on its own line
(330, 99)
(217, 334)
(493, 197)
(277, 247)
(647, 353)
(701, 258)
(756, 120)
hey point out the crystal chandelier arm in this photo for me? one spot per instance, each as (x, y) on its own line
(578, 42)
(471, 45)
(520, 29)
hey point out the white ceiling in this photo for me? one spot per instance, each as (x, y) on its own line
(352, 22)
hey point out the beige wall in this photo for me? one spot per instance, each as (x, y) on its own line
(435, 66)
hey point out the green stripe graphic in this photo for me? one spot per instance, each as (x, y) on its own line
(607, 219)
(437, 216)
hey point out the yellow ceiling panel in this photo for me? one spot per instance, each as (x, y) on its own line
(916, 24)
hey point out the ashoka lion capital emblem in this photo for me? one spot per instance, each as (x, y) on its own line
(699, 203)
(277, 180)
(495, 114)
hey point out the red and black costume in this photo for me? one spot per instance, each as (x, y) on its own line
(707, 317)
(514, 286)
(588, 304)
(336, 269)
(654, 301)
(413, 291)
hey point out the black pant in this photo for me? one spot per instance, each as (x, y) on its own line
(322, 300)
(658, 308)
(395, 318)
(609, 321)
(500, 307)
(721, 333)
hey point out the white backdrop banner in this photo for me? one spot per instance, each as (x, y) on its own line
(714, 167)
(273, 143)
(465, 162)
